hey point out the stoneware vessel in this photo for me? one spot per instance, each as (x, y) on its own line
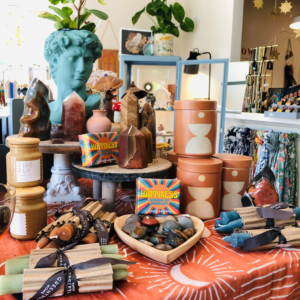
(98, 122)
(200, 186)
(195, 128)
(163, 44)
(235, 179)
(165, 257)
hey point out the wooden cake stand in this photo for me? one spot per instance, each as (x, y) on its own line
(105, 177)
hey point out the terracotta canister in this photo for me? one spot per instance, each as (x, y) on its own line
(195, 128)
(24, 163)
(98, 122)
(235, 179)
(173, 158)
(200, 186)
(30, 215)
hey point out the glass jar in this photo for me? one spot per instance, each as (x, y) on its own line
(30, 213)
(24, 163)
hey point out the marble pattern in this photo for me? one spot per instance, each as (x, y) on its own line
(129, 111)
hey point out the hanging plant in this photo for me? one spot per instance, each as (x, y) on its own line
(62, 17)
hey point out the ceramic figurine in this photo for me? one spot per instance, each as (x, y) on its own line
(35, 120)
(106, 83)
(71, 55)
(57, 134)
(98, 122)
(117, 112)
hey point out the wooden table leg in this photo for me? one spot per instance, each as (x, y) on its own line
(97, 189)
(109, 193)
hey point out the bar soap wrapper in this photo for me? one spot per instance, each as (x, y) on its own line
(99, 148)
(157, 196)
(261, 190)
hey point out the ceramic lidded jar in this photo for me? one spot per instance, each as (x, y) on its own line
(235, 179)
(173, 158)
(200, 186)
(195, 128)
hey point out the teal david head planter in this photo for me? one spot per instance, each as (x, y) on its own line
(71, 54)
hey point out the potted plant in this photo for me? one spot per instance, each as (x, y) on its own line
(164, 29)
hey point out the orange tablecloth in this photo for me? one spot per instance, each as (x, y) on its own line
(211, 270)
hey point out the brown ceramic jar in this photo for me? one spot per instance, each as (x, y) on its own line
(195, 128)
(200, 186)
(30, 215)
(24, 163)
(235, 179)
(173, 158)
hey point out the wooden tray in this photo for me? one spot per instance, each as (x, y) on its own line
(165, 257)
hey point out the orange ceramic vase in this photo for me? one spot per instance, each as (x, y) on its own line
(98, 122)
(200, 186)
(235, 179)
(195, 128)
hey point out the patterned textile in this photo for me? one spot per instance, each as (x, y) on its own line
(242, 144)
(259, 141)
(229, 139)
(293, 168)
(281, 170)
(252, 142)
(273, 146)
(263, 158)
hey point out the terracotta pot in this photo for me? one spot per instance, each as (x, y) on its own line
(98, 122)
(200, 186)
(195, 128)
(163, 44)
(235, 179)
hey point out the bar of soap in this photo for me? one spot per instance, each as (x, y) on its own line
(132, 149)
(16, 266)
(11, 284)
(66, 232)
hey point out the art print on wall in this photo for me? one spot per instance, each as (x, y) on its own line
(132, 41)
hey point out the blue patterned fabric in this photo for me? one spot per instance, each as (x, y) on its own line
(273, 146)
(263, 159)
(229, 139)
(242, 144)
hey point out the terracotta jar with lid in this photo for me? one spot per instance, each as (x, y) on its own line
(30, 215)
(195, 128)
(200, 186)
(173, 158)
(235, 179)
(24, 163)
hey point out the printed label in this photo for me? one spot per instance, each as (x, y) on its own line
(27, 171)
(18, 224)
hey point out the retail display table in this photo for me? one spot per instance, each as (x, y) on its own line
(105, 177)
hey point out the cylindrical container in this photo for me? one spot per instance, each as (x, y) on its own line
(30, 213)
(195, 128)
(173, 158)
(24, 163)
(200, 186)
(235, 179)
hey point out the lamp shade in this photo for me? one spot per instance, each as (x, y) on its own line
(192, 69)
(296, 23)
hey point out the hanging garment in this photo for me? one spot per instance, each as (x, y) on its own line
(293, 169)
(229, 139)
(259, 140)
(253, 147)
(280, 170)
(263, 158)
(289, 79)
(273, 146)
(242, 144)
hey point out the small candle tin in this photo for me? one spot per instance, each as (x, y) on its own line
(200, 186)
(235, 179)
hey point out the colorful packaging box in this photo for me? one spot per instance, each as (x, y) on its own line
(99, 148)
(157, 196)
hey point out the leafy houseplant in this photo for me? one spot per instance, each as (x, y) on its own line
(63, 19)
(164, 29)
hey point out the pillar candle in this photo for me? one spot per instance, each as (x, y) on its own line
(66, 232)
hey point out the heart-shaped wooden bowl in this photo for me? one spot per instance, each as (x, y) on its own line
(165, 257)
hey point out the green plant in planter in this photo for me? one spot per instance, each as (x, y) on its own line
(63, 19)
(164, 14)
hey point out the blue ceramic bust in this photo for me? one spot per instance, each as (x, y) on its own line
(71, 55)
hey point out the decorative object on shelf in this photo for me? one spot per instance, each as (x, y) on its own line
(151, 99)
(200, 186)
(108, 106)
(117, 112)
(129, 111)
(148, 87)
(258, 3)
(106, 83)
(148, 141)
(275, 54)
(133, 153)
(98, 123)
(162, 96)
(35, 119)
(57, 134)
(73, 117)
(157, 196)
(194, 69)
(235, 179)
(140, 94)
(161, 132)
(148, 48)
(285, 7)
(172, 90)
(164, 30)
(24, 162)
(195, 128)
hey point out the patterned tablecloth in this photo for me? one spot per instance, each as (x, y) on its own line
(211, 270)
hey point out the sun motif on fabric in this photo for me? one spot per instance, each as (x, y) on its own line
(258, 3)
(285, 7)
